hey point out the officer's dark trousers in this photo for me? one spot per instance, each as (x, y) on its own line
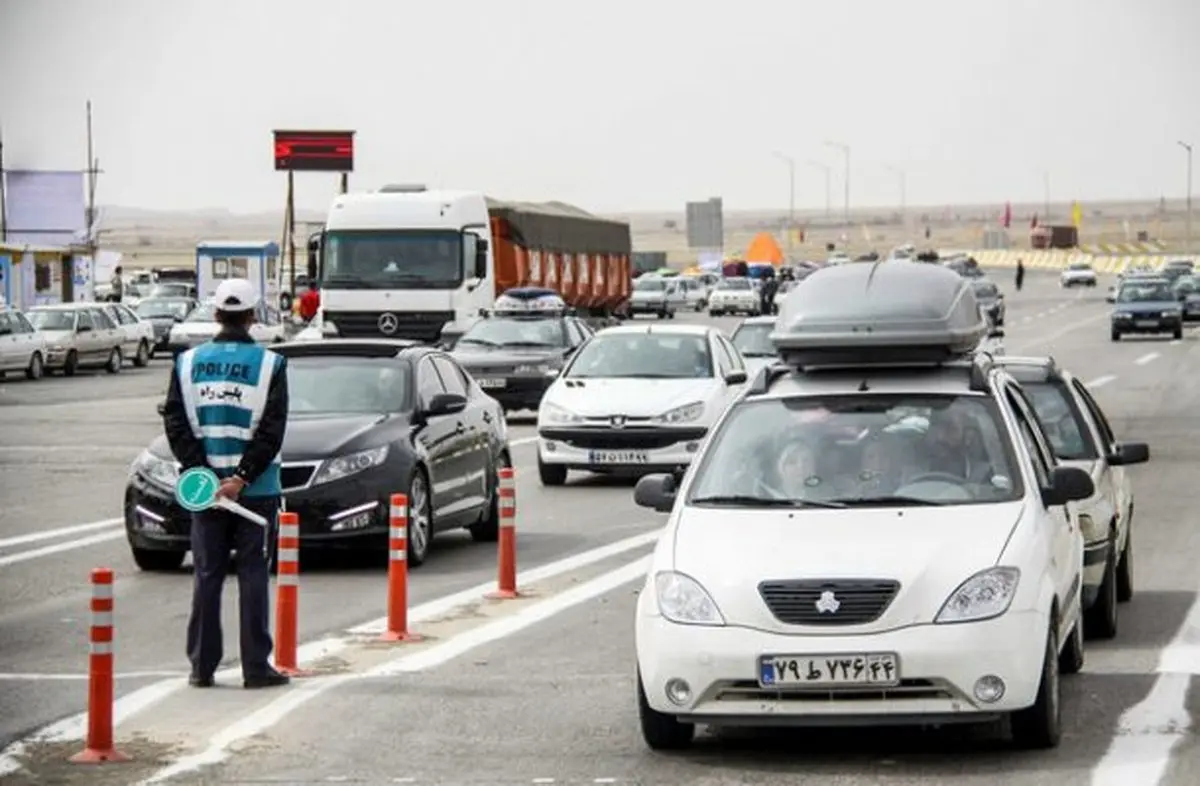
(215, 533)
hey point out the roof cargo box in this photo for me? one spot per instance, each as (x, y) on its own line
(888, 313)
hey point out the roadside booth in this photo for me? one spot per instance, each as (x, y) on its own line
(255, 261)
(37, 276)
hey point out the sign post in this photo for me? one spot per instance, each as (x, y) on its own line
(196, 491)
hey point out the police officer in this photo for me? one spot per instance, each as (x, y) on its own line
(226, 409)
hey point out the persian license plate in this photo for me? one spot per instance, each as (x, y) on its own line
(492, 382)
(618, 457)
(881, 669)
(1146, 323)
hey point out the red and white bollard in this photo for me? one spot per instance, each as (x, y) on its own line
(287, 596)
(397, 601)
(99, 746)
(506, 573)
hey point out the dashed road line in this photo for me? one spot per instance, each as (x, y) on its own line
(1100, 382)
(1147, 358)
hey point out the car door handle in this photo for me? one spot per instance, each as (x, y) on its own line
(460, 428)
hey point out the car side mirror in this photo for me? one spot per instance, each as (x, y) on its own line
(735, 378)
(656, 492)
(1067, 484)
(445, 404)
(481, 251)
(1125, 453)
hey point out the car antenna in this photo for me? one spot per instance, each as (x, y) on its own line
(863, 387)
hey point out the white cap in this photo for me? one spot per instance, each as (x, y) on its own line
(234, 295)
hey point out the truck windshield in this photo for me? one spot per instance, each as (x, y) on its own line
(373, 259)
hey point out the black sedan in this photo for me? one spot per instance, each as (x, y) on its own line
(164, 313)
(367, 419)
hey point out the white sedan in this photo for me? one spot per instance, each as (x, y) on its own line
(636, 398)
(753, 339)
(1077, 274)
(138, 333)
(734, 296)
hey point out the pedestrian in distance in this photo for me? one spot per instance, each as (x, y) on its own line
(310, 302)
(767, 291)
(226, 410)
(1020, 274)
(118, 286)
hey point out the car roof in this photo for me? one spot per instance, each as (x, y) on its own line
(759, 320)
(950, 379)
(66, 306)
(350, 347)
(1152, 279)
(679, 330)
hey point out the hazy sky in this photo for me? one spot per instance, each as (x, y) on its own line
(610, 105)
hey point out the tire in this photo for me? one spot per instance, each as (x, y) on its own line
(551, 474)
(1070, 660)
(1100, 621)
(35, 368)
(1116, 336)
(662, 315)
(671, 314)
(661, 732)
(157, 561)
(115, 361)
(487, 529)
(1178, 334)
(1040, 726)
(142, 358)
(71, 364)
(420, 518)
(1125, 565)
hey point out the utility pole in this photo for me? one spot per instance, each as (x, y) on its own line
(828, 172)
(1188, 231)
(791, 165)
(846, 153)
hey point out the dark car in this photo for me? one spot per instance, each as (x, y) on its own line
(163, 313)
(1187, 292)
(1146, 306)
(1177, 268)
(367, 418)
(991, 300)
(517, 349)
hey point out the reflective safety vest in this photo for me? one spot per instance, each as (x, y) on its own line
(224, 385)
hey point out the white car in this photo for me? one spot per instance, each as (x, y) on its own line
(1081, 436)
(753, 339)
(656, 295)
(734, 295)
(138, 334)
(78, 335)
(695, 292)
(22, 347)
(1077, 274)
(636, 398)
(201, 326)
(866, 549)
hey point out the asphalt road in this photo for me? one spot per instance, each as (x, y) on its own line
(540, 697)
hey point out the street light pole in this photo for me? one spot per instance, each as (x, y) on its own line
(1188, 230)
(845, 152)
(791, 164)
(825, 168)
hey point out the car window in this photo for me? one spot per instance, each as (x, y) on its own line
(1038, 454)
(102, 320)
(515, 332)
(1061, 420)
(853, 449)
(23, 325)
(1098, 416)
(1136, 291)
(452, 377)
(6, 326)
(127, 316)
(576, 333)
(724, 359)
(429, 384)
(644, 354)
(346, 385)
(649, 285)
(53, 319)
(86, 320)
(754, 341)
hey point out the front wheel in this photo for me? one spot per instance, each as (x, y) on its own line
(114, 361)
(551, 474)
(420, 519)
(1178, 333)
(35, 368)
(1116, 336)
(143, 354)
(1040, 726)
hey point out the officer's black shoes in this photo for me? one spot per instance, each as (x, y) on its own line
(268, 679)
(197, 680)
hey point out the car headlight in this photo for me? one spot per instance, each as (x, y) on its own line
(533, 368)
(685, 414)
(1171, 313)
(682, 600)
(163, 472)
(1121, 315)
(985, 595)
(350, 464)
(552, 413)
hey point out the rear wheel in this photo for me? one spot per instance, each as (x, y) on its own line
(661, 732)
(113, 366)
(487, 529)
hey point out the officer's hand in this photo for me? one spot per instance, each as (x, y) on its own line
(231, 488)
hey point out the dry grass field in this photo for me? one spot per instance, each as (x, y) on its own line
(151, 239)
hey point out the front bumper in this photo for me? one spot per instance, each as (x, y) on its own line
(1147, 324)
(938, 668)
(348, 513)
(1078, 281)
(733, 306)
(648, 306)
(56, 359)
(645, 449)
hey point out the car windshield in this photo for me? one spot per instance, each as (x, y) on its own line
(346, 386)
(171, 290)
(645, 355)
(860, 450)
(515, 332)
(986, 290)
(733, 283)
(52, 319)
(1187, 284)
(644, 284)
(754, 341)
(202, 313)
(174, 309)
(1061, 420)
(409, 259)
(1144, 292)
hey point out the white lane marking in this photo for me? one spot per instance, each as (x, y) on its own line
(58, 548)
(54, 534)
(1062, 331)
(129, 675)
(289, 703)
(522, 441)
(1147, 732)
(1100, 382)
(1026, 319)
(72, 448)
(1147, 358)
(71, 728)
(1175, 342)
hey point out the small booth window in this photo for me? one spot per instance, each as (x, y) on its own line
(220, 268)
(43, 277)
(239, 267)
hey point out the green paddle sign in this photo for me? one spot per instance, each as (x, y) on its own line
(196, 491)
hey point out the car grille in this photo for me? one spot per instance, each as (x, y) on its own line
(411, 325)
(794, 602)
(295, 477)
(911, 690)
(624, 439)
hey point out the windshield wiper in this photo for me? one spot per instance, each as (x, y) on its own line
(343, 280)
(751, 501)
(888, 502)
(526, 344)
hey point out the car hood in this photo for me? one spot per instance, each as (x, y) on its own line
(929, 551)
(600, 397)
(1154, 306)
(476, 357)
(310, 437)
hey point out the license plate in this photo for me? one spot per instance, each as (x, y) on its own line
(618, 457)
(1147, 323)
(824, 671)
(492, 382)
